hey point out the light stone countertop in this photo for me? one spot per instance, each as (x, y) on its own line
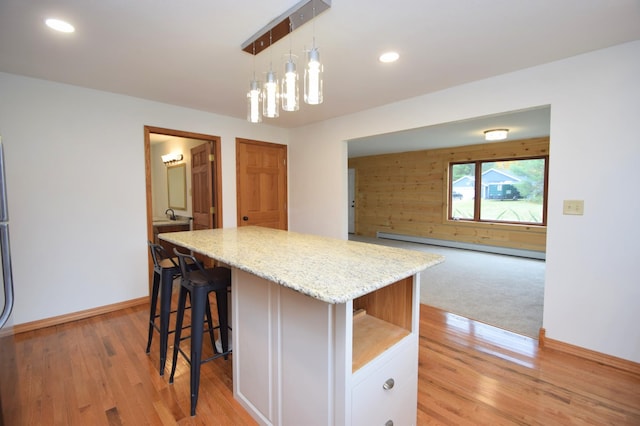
(328, 269)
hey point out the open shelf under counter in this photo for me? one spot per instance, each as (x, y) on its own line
(371, 337)
(381, 319)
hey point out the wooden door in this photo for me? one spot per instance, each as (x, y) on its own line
(261, 170)
(202, 198)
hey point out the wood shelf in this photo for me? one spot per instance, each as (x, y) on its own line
(371, 337)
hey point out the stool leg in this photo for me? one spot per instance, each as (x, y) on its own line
(166, 287)
(178, 333)
(223, 319)
(152, 310)
(198, 302)
(209, 319)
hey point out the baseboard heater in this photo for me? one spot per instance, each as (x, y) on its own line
(533, 254)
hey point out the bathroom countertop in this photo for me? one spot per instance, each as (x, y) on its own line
(163, 221)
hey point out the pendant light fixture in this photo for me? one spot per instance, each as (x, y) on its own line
(313, 71)
(285, 93)
(289, 92)
(270, 90)
(254, 114)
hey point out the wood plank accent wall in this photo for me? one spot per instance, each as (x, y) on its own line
(406, 193)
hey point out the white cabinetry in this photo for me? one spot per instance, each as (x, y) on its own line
(386, 394)
(301, 361)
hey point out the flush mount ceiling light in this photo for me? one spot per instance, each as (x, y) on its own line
(286, 91)
(389, 57)
(495, 134)
(59, 25)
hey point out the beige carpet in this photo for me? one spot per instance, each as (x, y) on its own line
(503, 291)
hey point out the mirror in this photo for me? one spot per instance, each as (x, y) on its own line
(177, 186)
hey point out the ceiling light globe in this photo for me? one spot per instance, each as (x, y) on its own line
(59, 25)
(496, 134)
(389, 57)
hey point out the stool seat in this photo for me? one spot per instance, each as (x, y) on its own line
(216, 278)
(198, 283)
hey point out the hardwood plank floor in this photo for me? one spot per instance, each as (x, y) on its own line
(95, 372)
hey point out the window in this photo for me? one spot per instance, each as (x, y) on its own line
(504, 191)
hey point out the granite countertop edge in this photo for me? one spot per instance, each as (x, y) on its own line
(331, 270)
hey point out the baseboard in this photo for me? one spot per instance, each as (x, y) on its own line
(75, 316)
(611, 361)
(466, 246)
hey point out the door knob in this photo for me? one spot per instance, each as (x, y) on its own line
(245, 218)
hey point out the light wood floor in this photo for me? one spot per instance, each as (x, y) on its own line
(95, 372)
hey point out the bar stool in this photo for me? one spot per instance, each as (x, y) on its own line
(199, 283)
(165, 270)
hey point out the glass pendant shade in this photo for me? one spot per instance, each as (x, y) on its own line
(313, 78)
(290, 93)
(254, 114)
(270, 95)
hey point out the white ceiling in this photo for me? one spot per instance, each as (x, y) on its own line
(188, 52)
(525, 124)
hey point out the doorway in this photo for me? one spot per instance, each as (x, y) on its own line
(181, 141)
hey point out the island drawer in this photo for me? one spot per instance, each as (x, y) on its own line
(387, 391)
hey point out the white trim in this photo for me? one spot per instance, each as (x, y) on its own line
(466, 246)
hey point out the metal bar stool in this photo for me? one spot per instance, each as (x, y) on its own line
(165, 270)
(199, 283)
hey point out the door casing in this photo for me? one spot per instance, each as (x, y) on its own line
(217, 174)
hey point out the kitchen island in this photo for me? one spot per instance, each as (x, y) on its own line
(325, 331)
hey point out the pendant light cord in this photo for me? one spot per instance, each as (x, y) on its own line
(270, 52)
(254, 61)
(313, 4)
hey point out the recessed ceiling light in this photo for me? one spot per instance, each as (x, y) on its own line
(59, 25)
(389, 57)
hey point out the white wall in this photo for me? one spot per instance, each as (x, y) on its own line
(592, 286)
(76, 187)
(75, 170)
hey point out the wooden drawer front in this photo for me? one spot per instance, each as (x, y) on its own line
(375, 405)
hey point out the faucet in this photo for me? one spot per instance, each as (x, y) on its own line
(173, 214)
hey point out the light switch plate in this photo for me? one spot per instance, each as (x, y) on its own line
(575, 207)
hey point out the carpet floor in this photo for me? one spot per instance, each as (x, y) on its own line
(499, 290)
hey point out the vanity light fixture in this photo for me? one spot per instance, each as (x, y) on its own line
(171, 158)
(495, 134)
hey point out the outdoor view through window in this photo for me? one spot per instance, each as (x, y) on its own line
(509, 191)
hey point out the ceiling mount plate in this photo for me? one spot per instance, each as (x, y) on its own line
(280, 27)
